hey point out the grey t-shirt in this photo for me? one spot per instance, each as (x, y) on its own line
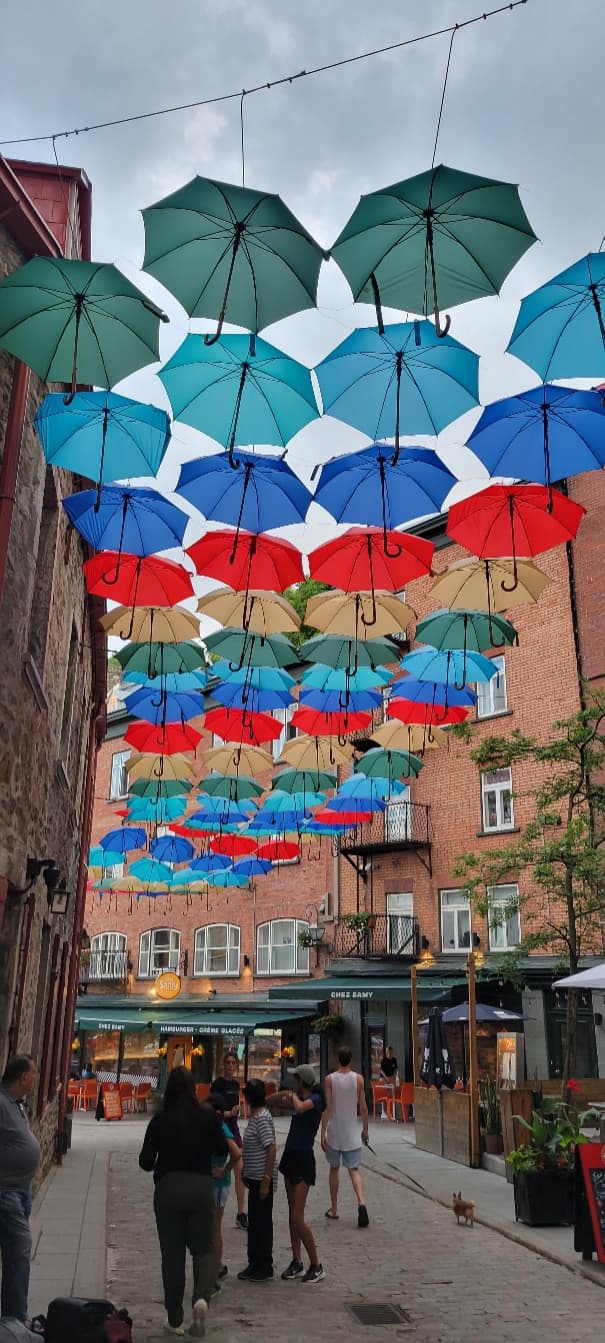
(19, 1149)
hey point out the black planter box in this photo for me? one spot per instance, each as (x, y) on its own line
(544, 1198)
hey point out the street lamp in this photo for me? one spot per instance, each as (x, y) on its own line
(316, 931)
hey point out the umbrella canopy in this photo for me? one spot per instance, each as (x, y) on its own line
(242, 725)
(362, 615)
(211, 862)
(253, 678)
(252, 867)
(102, 435)
(260, 612)
(137, 521)
(348, 654)
(160, 810)
(236, 787)
(484, 1012)
(405, 378)
(486, 584)
(159, 706)
(156, 767)
(239, 389)
(149, 869)
(246, 560)
(437, 1068)
(260, 494)
(355, 815)
(175, 683)
(220, 812)
(471, 631)
(252, 650)
(560, 329)
(163, 738)
(318, 677)
(426, 715)
(315, 753)
(514, 520)
(407, 738)
(251, 760)
(151, 624)
(359, 561)
(231, 253)
(442, 237)
(77, 321)
(340, 701)
(155, 788)
(123, 840)
(234, 846)
(238, 695)
(387, 763)
(304, 781)
(171, 849)
(100, 857)
(450, 666)
(594, 978)
(278, 850)
(319, 724)
(432, 692)
(546, 434)
(229, 877)
(136, 580)
(154, 661)
(368, 487)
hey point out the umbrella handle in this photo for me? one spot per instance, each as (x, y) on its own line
(373, 615)
(391, 555)
(102, 462)
(440, 330)
(377, 303)
(239, 229)
(398, 369)
(506, 587)
(68, 398)
(111, 582)
(236, 410)
(127, 636)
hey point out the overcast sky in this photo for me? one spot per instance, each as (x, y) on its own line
(524, 104)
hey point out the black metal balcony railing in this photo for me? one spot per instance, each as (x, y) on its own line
(402, 825)
(382, 936)
(105, 967)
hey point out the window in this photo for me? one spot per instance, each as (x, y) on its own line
(455, 921)
(397, 819)
(44, 573)
(68, 697)
(497, 799)
(107, 956)
(504, 921)
(159, 950)
(114, 871)
(400, 924)
(278, 951)
(284, 716)
(491, 695)
(119, 775)
(216, 950)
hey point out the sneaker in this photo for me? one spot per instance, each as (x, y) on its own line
(242, 1221)
(245, 1274)
(255, 1275)
(294, 1270)
(362, 1215)
(200, 1314)
(174, 1328)
(314, 1273)
(223, 1271)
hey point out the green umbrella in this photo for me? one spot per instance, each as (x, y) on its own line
(251, 650)
(333, 651)
(77, 321)
(156, 788)
(233, 786)
(469, 631)
(156, 659)
(304, 780)
(380, 764)
(441, 237)
(231, 253)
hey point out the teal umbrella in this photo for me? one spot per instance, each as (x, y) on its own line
(442, 237)
(148, 869)
(231, 253)
(252, 650)
(304, 781)
(470, 631)
(378, 763)
(156, 788)
(77, 321)
(236, 787)
(156, 659)
(353, 654)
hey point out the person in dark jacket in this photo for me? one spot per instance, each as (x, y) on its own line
(181, 1142)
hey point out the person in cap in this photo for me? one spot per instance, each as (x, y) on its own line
(297, 1166)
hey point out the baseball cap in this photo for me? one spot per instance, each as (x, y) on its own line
(305, 1073)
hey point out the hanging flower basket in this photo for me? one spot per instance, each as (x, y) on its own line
(332, 1025)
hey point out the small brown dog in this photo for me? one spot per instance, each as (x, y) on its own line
(461, 1207)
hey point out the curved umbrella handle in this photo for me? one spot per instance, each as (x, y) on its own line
(68, 398)
(111, 582)
(237, 237)
(373, 615)
(507, 587)
(440, 330)
(377, 303)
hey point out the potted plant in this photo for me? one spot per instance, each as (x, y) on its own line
(543, 1171)
(492, 1119)
(359, 922)
(332, 1025)
(305, 938)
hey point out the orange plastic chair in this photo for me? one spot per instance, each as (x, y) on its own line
(74, 1089)
(89, 1093)
(405, 1100)
(141, 1096)
(126, 1090)
(383, 1095)
(202, 1090)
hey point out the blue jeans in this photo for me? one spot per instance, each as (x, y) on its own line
(15, 1248)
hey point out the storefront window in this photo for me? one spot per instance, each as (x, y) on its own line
(264, 1055)
(141, 1056)
(314, 1051)
(101, 1055)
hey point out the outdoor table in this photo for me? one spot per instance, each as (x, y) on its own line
(600, 1106)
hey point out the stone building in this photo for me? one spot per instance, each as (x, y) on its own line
(52, 681)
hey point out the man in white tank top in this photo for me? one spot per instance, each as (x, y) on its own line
(343, 1133)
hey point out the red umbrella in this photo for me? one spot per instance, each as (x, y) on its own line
(137, 580)
(279, 850)
(516, 521)
(427, 715)
(327, 817)
(328, 724)
(241, 726)
(168, 739)
(362, 561)
(234, 846)
(245, 560)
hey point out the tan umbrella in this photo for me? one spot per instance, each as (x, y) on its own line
(361, 615)
(488, 585)
(238, 759)
(143, 766)
(260, 612)
(396, 736)
(151, 624)
(316, 753)
(131, 885)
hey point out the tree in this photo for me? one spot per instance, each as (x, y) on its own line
(559, 858)
(299, 595)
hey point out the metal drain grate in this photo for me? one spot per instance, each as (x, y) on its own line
(380, 1312)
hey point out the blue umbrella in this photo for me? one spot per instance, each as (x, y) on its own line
(252, 867)
(223, 809)
(162, 810)
(239, 695)
(211, 862)
(357, 799)
(136, 522)
(155, 705)
(171, 849)
(185, 876)
(320, 677)
(278, 800)
(339, 701)
(431, 692)
(560, 328)
(543, 435)
(261, 494)
(407, 376)
(257, 678)
(314, 827)
(102, 435)
(367, 487)
(148, 869)
(239, 390)
(174, 683)
(123, 840)
(371, 786)
(451, 667)
(98, 857)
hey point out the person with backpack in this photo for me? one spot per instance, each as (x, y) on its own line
(181, 1143)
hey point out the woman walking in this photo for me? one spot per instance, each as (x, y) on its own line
(260, 1177)
(180, 1143)
(297, 1166)
(227, 1085)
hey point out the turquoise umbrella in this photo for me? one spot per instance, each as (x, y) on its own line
(470, 631)
(162, 810)
(450, 666)
(560, 330)
(320, 677)
(148, 869)
(98, 857)
(102, 435)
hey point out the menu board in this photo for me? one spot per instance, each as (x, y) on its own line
(592, 1161)
(112, 1101)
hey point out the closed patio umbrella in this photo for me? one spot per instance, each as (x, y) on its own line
(437, 1069)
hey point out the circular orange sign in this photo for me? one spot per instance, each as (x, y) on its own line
(168, 985)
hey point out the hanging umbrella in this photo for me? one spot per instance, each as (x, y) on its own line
(267, 821)
(261, 562)
(229, 759)
(161, 707)
(259, 612)
(278, 850)
(155, 788)
(318, 677)
(239, 390)
(173, 683)
(243, 726)
(348, 654)
(326, 827)
(515, 520)
(186, 876)
(155, 766)
(137, 580)
(149, 869)
(160, 811)
(231, 253)
(451, 667)
(252, 650)
(227, 878)
(315, 753)
(253, 678)
(367, 487)
(304, 781)
(252, 867)
(544, 434)
(256, 492)
(236, 787)
(560, 329)
(432, 692)
(437, 1068)
(337, 725)
(211, 862)
(134, 521)
(102, 435)
(405, 376)
(356, 815)
(442, 237)
(214, 804)
(77, 321)
(157, 660)
(358, 561)
(486, 584)
(100, 857)
(282, 800)
(166, 738)
(362, 790)
(151, 624)
(235, 695)
(123, 840)
(340, 701)
(407, 737)
(390, 764)
(361, 615)
(234, 846)
(425, 715)
(470, 631)
(171, 849)
(223, 815)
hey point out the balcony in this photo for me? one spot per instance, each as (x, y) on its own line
(104, 967)
(382, 937)
(404, 825)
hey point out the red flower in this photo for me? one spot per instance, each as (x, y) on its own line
(572, 1085)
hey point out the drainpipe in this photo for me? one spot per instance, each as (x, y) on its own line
(9, 470)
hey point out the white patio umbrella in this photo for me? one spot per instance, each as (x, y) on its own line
(594, 978)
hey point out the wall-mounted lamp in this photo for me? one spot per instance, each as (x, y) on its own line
(476, 940)
(58, 899)
(314, 934)
(37, 867)
(425, 943)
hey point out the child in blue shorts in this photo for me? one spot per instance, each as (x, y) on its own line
(222, 1183)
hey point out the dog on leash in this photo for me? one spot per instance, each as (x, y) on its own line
(461, 1207)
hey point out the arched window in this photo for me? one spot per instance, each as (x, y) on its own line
(278, 949)
(216, 949)
(107, 957)
(159, 950)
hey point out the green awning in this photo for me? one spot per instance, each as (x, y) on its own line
(173, 1020)
(367, 989)
(114, 1019)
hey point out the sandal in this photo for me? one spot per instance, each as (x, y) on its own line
(332, 1216)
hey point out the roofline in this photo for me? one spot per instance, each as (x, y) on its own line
(19, 213)
(84, 188)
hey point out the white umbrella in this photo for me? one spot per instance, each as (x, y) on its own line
(594, 978)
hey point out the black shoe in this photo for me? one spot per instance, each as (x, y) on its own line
(257, 1275)
(362, 1215)
(242, 1221)
(314, 1273)
(223, 1271)
(294, 1270)
(246, 1274)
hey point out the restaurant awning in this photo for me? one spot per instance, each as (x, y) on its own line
(171, 1021)
(363, 988)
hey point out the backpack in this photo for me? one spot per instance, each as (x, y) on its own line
(73, 1319)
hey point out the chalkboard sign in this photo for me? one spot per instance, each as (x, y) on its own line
(112, 1100)
(592, 1161)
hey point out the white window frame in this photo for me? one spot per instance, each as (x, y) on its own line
(104, 948)
(114, 871)
(400, 933)
(455, 899)
(267, 948)
(284, 716)
(398, 818)
(202, 952)
(118, 776)
(149, 952)
(503, 901)
(490, 692)
(501, 789)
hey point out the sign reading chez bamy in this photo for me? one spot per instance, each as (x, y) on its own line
(168, 985)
